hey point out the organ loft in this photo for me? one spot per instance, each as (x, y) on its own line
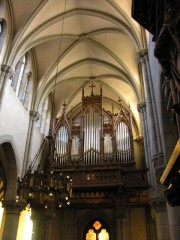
(95, 147)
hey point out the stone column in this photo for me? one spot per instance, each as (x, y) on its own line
(152, 109)
(150, 112)
(6, 74)
(49, 216)
(159, 213)
(142, 109)
(37, 217)
(174, 221)
(12, 213)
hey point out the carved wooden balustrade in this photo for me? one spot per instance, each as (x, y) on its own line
(108, 177)
(96, 185)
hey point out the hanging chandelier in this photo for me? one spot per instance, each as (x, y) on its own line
(46, 187)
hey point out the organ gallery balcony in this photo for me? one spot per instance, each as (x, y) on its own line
(103, 184)
(108, 177)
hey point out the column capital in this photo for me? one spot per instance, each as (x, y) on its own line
(159, 204)
(7, 71)
(141, 106)
(142, 55)
(34, 115)
(13, 206)
(140, 139)
(28, 74)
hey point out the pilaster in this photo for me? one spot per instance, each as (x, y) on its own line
(37, 217)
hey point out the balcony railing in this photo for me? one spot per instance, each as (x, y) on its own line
(108, 177)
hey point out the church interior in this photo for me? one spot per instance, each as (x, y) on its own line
(89, 120)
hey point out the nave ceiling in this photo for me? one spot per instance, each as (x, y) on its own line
(99, 43)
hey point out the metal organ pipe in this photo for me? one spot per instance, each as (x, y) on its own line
(61, 145)
(123, 142)
(91, 136)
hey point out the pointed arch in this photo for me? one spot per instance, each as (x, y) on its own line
(90, 218)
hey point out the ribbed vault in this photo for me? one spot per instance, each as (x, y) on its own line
(99, 43)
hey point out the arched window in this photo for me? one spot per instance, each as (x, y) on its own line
(44, 120)
(20, 72)
(97, 230)
(21, 82)
(2, 32)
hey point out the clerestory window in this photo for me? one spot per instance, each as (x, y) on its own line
(21, 82)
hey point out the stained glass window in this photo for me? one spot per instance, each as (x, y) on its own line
(97, 232)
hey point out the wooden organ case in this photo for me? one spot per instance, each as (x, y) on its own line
(95, 147)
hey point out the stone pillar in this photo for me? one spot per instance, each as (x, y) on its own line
(38, 224)
(6, 74)
(42, 221)
(159, 213)
(150, 112)
(49, 216)
(12, 213)
(174, 221)
(142, 109)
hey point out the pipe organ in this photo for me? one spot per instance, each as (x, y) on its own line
(93, 135)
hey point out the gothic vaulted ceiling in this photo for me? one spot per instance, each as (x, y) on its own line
(77, 42)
